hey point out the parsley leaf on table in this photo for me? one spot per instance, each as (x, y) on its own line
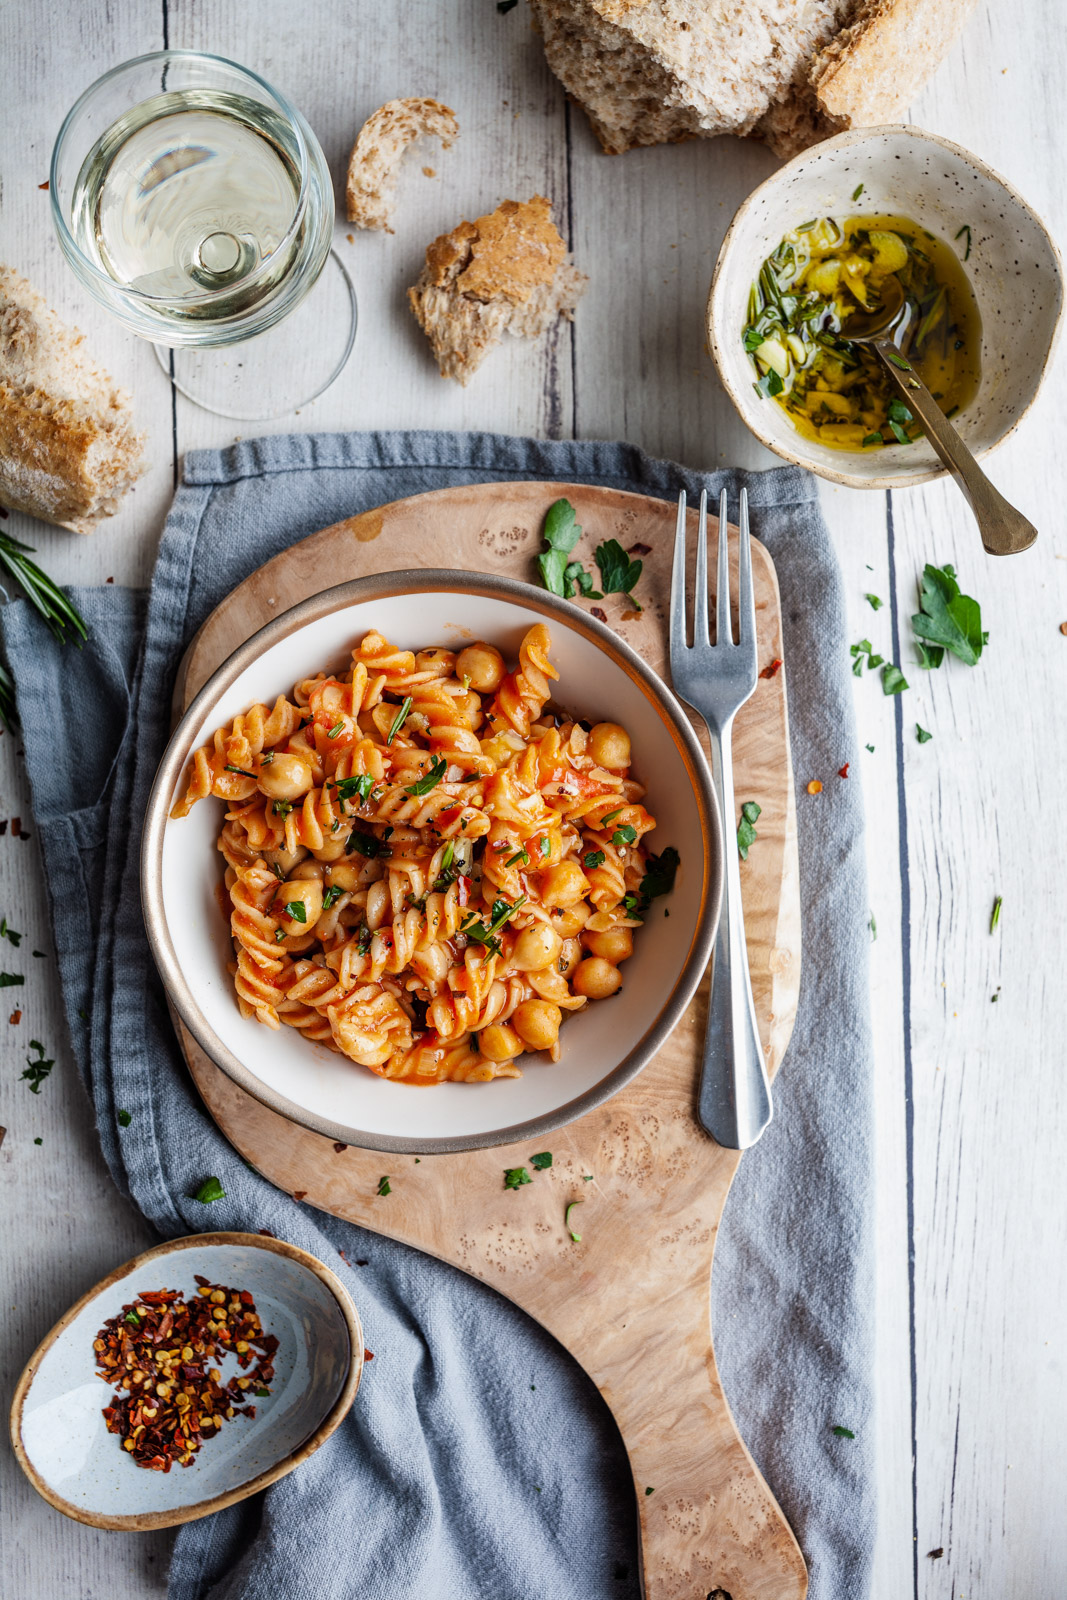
(10, 934)
(542, 1160)
(11, 980)
(561, 533)
(209, 1191)
(515, 1177)
(618, 574)
(922, 734)
(893, 680)
(746, 831)
(947, 619)
(37, 1069)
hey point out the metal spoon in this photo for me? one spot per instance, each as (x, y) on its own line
(1005, 531)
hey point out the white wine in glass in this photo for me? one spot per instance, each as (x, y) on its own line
(195, 203)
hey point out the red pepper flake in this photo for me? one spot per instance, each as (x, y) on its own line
(16, 1016)
(600, 615)
(344, 1258)
(163, 1355)
(368, 1355)
(268, 1233)
(3, 828)
(842, 772)
(299, 1194)
(43, 185)
(340, 1147)
(772, 670)
(640, 550)
(109, 580)
(16, 827)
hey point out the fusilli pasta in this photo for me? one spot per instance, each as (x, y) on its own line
(427, 865)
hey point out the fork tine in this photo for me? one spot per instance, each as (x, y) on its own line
(700, 620)
(678, 638)
(723, 630)
(746, 605)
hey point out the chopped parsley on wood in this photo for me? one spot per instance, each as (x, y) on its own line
(37, 1068)
(746, 828)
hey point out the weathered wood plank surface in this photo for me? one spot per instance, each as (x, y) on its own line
(971, 1100)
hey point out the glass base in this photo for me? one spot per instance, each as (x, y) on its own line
(277, 371)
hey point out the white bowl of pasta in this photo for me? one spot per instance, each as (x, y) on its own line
(402, 838)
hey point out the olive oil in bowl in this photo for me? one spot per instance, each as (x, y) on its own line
(837, 393)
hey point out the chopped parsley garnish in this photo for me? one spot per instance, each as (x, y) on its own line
(399, 719)
(994, 919)
(37, 1069)
(650, 1491)
(124, 1118)
(611, 815)
(279, 936)
(874, 602)
(480, 933)
(295, 910)
(546, 845)
(869, 747)
(618, 574)
(349, 788)
(384, 1187)
(338, 728)
(872, 438)
(769, 384)
(922, 734)
(659, 874)
(366, 843)
(576, 1237)
(10, 934)
(522, 855)
(331, 896)
(624, 836)
(842, 1433)
(860, 651)
(243, 771)
(857, 191)
(893, 680)
(746, 828)
(429, 780)
(966, 230)
(542, 1160)
(561, 533)
(947, 619)
(209, 1191)
(515, 1177)
(281, 808)
(11, 980)
(261, 1394)
(594, 858)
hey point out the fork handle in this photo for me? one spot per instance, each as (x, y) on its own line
(734, 1102)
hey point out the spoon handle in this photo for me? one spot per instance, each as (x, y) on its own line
(1004, 531)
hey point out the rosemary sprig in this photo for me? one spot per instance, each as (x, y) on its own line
(46, 597)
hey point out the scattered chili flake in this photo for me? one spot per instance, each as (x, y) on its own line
(299, 1194)
(109, 580)
(16, 1016)
(16, 827)
(815, 787)
(368, 1355)
(771, 670)
(268, 1232)
(640, 550)
(935, 1555)
(339, 1147)
(43, 185)
(842, 772)
(1063, 627)
(599, 614)
(162, 1354)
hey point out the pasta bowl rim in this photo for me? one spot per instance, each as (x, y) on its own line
(858, 470)
(380, 586)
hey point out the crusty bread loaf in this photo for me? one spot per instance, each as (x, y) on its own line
(650, 71)
(504, 273)
(379, 150)
(68, 450)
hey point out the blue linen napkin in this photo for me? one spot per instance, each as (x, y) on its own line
(479, 1460)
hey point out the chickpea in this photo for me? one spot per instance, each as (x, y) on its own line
(499, 1042)
(344, 875)
(305, 893)
(482, 665)
(332, 848)
(288, 777)
(573, 920)
(563, 885)
(536, 948)
(442, 663)
(596, 978)
(613, 944)
(609, 745)
(284, 860)
(309, 871)
(569, 956)
(537, 1023)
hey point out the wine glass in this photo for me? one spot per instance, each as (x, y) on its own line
(195, 203)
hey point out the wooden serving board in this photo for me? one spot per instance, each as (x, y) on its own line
(631, 1301)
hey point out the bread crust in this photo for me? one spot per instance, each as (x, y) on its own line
(68, 448)
(874, 70)
(377, 154)
(503, 273)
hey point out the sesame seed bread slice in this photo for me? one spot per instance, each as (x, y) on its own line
(379, 150)
(68, 449)
(504, 273)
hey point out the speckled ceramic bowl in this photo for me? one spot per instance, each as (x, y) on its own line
(57, 1426)
(1014, 268)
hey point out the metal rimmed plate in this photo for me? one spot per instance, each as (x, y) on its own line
(603, 1048)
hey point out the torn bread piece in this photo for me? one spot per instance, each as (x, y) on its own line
(379, 150)
(656, 71)
(504, 273)
(68, 448)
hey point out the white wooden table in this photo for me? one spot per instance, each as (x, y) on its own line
(971, 1101)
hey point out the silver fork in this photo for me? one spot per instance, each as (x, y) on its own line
(716, 679)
